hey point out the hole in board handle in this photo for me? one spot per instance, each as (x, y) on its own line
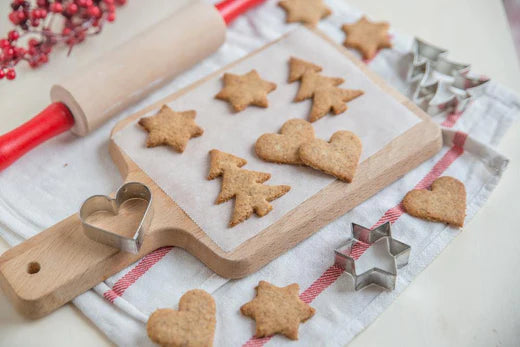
(33, 268)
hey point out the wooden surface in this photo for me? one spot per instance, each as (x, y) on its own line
(82, 263)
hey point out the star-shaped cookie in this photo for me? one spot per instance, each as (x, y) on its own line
(277, 310)
(171, 128)
(244, 90)
(367, 37)
(306, 11)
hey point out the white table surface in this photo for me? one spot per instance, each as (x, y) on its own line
(467, 296)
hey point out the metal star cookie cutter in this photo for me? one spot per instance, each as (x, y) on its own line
(362, 239)
(439, 84)
(97, 203)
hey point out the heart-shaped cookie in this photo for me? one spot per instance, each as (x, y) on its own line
(192, 325)
(283, 148)
(445, 202)
(339, 157)
(98, 230)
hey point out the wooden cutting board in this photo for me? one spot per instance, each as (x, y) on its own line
(60, 263)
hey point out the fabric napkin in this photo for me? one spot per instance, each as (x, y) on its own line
(50, 183)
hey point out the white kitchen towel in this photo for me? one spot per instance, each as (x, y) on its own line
(50, 183)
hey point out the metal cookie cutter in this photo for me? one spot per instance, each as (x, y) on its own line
(363, 238)
(440, 84)
(97, 203)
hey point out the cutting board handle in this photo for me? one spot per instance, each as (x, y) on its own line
(55, 266)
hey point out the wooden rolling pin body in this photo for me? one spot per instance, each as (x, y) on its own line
(115, 82)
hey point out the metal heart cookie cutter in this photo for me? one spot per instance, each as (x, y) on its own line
(362, 239)
(439, 84)
(98, 203)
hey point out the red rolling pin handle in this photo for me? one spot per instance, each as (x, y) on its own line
(57, 118)
(53, 120)
(230, 9)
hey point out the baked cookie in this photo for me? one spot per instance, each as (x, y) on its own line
(247, 187)
(277, 310)
(171, 128)
(244, 90)
(445, 202)
(311, 81)
(367, 37)
(339, 157)
(283, 148)
(192, 325)
(331, 99)
(306, 11)
(297, 67)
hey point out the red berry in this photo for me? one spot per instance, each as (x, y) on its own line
(111, 17)
(111, 8)
(81, 3)
(66, 31)
(56, 7)
(121, 2)
(10, 75)
(13, 35)
(89, 3)
(13, 17)
(44, 58)
(108, 2)
(2, 73)
(94, 11)
(35, 22)
(33, 42)
(21, 16)
(8, 52)
(4, 43)
(72, 8)
(42, 3)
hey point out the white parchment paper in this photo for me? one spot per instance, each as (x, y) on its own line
(375, 117)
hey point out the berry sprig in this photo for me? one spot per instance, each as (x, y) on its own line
(37, 23)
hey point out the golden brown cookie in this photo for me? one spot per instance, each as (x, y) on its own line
(171, 128)
(306, 11)
(297, 67)
(312, 81)
(277, 310)
(244, 185)
(367, 37)
(339, 157)
(221, 161)
(244, 90)
(445, 202)
(283, 148)
(192, 325)
(331, 99)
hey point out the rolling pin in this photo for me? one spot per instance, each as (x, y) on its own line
(168, 48)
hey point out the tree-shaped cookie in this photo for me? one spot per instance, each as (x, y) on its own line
(331, 99)
(367, 37)
(324, 91)
(244, 90)
(247, 187)
(297, 67)
(171, 128)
